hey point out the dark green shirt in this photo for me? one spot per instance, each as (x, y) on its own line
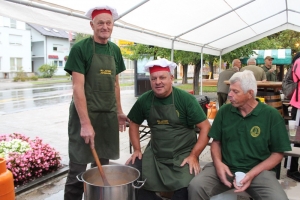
(81, 54)
(187, 107)
(247, 141)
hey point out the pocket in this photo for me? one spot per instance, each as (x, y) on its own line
(102, 102)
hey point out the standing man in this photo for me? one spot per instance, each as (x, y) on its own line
(222, 88)
(248, 136)
(171, 158)
(270, 72)
(96, 115)
(258, 72)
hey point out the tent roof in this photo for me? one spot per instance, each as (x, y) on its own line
(219, 26)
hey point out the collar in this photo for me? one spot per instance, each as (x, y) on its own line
(254, 112)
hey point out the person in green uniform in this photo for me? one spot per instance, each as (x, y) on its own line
(270, 72)
(96, 115)
(248, 136)
(171, 158)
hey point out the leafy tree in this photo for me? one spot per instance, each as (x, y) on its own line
(81, 36)
(48, 70)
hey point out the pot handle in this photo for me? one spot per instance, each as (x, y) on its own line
(139, 184)
(79, 177)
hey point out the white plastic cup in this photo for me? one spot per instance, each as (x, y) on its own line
(282, 96)
(292, 127)
(238, 177)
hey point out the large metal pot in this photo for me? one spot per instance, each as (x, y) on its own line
(122, 180)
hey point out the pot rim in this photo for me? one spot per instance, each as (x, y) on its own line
(80, 176)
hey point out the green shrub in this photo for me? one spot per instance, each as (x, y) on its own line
(21, 75)
(34, 78)
(48, 70)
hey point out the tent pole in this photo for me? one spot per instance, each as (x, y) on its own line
(131, 9)
(220, 62)
(172, 50)
(201, 70)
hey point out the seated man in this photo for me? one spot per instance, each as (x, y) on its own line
(171, 158)
(248, 136)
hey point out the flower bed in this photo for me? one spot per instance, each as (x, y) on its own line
(27, 159)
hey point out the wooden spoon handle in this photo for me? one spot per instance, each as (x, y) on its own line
(100, 167)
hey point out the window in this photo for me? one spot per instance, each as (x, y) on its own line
(55, 62)
(57, 47)
(56, 31)
(15, 39)
(47, 29)
(13, 23)
(15, 64)
(60, 63)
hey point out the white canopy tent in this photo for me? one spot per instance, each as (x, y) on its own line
(213, 27)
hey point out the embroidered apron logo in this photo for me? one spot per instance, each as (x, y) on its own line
(106, 71)
(177, 113)
(255, 131)
(163, 121)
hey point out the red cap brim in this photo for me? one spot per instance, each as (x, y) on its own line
(97, 12)
(157, 68)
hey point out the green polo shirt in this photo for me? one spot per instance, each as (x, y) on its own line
(247, 141)
(188, 108)
(81, 54)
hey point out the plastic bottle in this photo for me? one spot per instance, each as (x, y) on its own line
(211, 110)
(7, 190)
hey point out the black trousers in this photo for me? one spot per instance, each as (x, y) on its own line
(73, 187)
(142, 194)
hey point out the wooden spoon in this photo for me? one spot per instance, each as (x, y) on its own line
(106, 183)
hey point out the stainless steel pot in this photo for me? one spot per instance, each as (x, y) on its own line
(122, 180)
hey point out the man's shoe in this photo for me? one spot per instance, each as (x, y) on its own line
(294, 175)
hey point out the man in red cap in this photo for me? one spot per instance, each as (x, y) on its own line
(171, 158)
(96, 115)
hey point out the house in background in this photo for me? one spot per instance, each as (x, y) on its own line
(15, 45)
(49, 46)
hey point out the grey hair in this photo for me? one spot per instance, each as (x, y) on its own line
(251, 60)
(236, 69)
(246, 79)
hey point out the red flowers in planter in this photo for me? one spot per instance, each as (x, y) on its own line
(28, 159)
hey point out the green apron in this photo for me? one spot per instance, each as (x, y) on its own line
(170, 144)
(101, 104)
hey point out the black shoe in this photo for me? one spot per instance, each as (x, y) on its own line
(294, 175)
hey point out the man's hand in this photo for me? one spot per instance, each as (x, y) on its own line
(136, 154)
(271, 70)
(122, 118)
(222, 171)
(88, 134)
(246, 181)
(193, 163)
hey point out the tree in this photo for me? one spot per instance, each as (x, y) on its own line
(48, 70)
(81, 36)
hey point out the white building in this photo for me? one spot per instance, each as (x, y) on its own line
(15, 47)
(49, 46)
(29, 46)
